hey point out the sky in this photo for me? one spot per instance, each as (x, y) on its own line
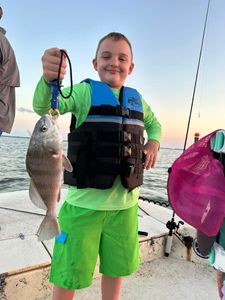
(165, 36)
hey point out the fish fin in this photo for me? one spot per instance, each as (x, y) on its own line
(67, 164)
(35, 196)
(49, 228)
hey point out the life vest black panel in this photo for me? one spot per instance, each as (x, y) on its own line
(109, 142)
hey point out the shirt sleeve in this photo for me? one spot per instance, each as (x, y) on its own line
(41, 98)
(151, 124)
(78, 103)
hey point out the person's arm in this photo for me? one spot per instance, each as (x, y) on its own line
(153, 130)
(78, 103)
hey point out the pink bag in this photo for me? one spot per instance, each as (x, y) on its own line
(196, 187)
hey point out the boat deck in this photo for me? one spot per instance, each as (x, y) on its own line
(25, 262)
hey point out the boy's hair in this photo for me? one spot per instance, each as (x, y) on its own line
(116, 36)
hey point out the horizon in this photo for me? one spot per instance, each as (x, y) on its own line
(65, 140)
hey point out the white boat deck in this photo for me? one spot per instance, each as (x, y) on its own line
(24, 262)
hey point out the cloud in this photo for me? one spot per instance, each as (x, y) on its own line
(23, 110)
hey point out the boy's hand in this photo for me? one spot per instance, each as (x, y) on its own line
(151, 149)
(50, 63)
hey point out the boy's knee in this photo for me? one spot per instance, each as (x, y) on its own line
(60, 293)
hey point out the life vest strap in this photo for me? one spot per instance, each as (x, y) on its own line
(125, 169)
(110, 136)
(121, 111)
(115, 151)
(122, 136)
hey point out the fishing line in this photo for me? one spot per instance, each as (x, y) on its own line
(22, 211)
(202, 79)
(46, 248)
(196, 76)
(143, 210)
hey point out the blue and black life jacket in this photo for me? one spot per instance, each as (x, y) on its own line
(109, 142)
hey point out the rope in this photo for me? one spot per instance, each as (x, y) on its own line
(71, 75)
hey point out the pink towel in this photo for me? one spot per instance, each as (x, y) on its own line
(196, 187)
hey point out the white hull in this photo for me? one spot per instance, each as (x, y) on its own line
(25, 262)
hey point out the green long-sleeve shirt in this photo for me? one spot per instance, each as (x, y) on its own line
(79, 104)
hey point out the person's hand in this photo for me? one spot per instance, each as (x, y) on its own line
(151, 149)
(219, 278)
(50, 64)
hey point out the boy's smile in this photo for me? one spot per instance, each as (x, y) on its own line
(113, 62)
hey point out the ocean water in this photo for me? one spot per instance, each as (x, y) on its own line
(14, 177)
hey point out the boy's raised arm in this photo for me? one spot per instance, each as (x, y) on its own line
(50, 64)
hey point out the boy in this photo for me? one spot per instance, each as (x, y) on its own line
(106, 148)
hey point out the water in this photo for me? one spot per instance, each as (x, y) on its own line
(14, 177)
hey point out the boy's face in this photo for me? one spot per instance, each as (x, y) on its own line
(113, 62)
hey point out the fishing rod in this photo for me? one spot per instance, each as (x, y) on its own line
(171, 225)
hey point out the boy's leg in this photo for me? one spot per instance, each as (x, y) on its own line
(119, 247)
(111, 287)
(119, 250)
(62, 294)
(76, 249)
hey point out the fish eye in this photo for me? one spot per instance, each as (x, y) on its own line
(44, 128)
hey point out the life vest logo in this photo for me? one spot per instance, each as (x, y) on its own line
(134, 102)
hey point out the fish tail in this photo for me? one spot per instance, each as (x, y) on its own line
(49, 228)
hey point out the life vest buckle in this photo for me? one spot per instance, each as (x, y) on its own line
(125, 136)
(129, 170)
(125, 151)
(122, 111)
(142, 140)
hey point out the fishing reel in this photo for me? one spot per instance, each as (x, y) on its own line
(173, 230)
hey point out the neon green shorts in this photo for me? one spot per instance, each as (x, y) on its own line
(86, 233)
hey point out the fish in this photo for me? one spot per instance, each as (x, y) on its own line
(45, 161)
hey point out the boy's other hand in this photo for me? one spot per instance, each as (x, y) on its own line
(151, 149)
(50, 64)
